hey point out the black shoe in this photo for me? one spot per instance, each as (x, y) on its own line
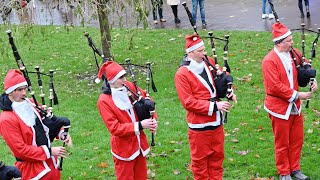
(177, 20)
(302, 15)
(308, 14)
(204, 23)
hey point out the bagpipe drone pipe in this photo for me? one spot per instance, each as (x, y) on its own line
(54, 123)
(144, 106)
(306, 73)
(222, 76)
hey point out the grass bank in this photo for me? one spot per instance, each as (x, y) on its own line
(248, 142)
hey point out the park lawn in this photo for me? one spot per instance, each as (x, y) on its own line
(248, 137)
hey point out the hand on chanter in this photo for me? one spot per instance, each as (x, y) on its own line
(67, 140)
(304, 95)
(151, 124)
(232, 96)
(59, 151)
(314, 86)
(223, 106)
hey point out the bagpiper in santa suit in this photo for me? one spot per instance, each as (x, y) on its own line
(129, 144)
(197, 93)
(283, 103)
(27, 137)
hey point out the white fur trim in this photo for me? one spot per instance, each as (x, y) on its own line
(144, 153)
(281, 116)
(12, 88)
(283, 36)
(42, 173)
(194, 47)
(46, 150)
(132, 157)
(211, 106)
(121, 73)
(136, 128)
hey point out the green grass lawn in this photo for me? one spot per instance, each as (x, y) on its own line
(248, 137)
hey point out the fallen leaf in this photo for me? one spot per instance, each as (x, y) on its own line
(176, 172)
(310, 131)
(235, 140)
(243, 153)
(243, 123)
(260, 128)
(235, 130)
(103, 165)
(258, 108)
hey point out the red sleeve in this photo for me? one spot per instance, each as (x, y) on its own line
(275, 87)
(187, 97)
(116, 122)
(16, 137)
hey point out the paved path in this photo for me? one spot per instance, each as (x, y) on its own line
(246, 15)
(220, 15)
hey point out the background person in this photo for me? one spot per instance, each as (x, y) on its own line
(174, 6)
(264, 13)
(197, 94)
(195, 4)
(27, 137)
(306, 3)
(157, 6)
(129, 144)
(283, 103)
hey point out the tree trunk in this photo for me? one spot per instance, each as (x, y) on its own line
(104, 29)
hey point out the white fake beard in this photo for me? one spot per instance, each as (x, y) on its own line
(285, 56)
(25, 111)
(196, 67)
(120, 98)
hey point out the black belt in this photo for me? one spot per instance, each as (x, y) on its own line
(205, 128)
(19, 160)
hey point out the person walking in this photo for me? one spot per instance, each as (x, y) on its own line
(197, 93)
(264, 12)
(195, 4)
(306, 3)
(174, 6)
(157, 5)
(283, 103)
(23, 131)
(129, 144)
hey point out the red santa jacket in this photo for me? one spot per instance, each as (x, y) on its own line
(126, 140)
(280, 96)
(194, 94)
(20, 138)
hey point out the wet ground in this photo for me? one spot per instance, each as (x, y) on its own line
(220, 15)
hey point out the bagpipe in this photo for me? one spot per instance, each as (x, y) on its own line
(306, 73)
(54, 123)
(222, 77)
(144, 106)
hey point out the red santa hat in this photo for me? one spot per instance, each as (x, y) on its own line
(112, 70)
(193, 42)
(279, 32)
(13, 80)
